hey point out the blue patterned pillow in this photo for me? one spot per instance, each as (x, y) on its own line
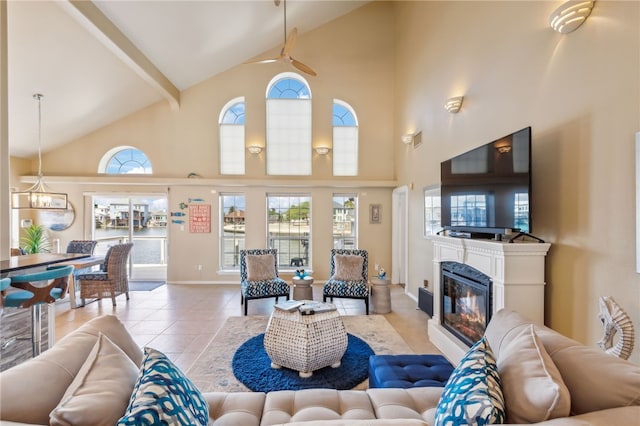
(472, 396)
(163, 395)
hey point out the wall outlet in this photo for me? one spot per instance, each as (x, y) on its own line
(425, 283)
(377, 267)
(199, 267)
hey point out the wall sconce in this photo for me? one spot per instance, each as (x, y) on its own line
(570, 15)
(254, 149)
(453, 105)
(407, 139)
(322, 150)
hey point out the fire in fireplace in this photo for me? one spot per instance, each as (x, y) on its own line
(466, 301)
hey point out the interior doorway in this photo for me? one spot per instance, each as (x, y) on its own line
(141, 219)
(399, 237)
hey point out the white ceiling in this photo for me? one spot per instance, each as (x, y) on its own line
(86, 86)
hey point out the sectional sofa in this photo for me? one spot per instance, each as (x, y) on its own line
(546, 378)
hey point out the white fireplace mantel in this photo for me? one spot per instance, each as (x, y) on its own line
(516, 270)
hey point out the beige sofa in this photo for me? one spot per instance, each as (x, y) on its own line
(600, 389)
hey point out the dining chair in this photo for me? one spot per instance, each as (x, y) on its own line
(33, 294)
(259, 276)
(112, 280)
(81, 246)
(348, 276)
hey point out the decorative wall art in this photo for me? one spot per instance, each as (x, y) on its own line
(56, 220)
(375, 213)
(199, 218)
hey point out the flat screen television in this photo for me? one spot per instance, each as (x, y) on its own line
(488, 190)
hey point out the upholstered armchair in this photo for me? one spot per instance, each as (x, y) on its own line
(259, 276)
(349, 276)
(112, 280)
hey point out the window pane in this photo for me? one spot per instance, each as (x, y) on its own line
(129, 161)
(288, 137)
(345, 151)
(232, 230)
(288, 228)
(232, 149)
(432, 212)
(345, 221)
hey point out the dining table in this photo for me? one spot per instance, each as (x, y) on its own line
(38, 260)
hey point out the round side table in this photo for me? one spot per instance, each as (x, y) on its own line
(302, 289)
(380, 296)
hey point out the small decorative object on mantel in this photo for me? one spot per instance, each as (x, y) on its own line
(382, 274)
(615, 320)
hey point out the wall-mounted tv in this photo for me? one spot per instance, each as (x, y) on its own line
(488, 190)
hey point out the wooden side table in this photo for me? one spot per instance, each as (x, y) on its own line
(380, 296)
(302, 289)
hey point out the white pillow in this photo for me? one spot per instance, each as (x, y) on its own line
(260, 267)
(100, 392)
(348, 267)
(531, 383)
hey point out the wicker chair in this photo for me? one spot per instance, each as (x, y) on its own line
(350, 288)
(112, 280)
(273, 286)
(81, 246)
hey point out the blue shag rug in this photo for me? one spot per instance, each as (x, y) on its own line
(252, 366)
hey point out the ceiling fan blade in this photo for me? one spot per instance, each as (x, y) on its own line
(302, 67)
(290, 42)
(265, 61)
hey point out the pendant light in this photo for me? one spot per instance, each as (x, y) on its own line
(38, 197)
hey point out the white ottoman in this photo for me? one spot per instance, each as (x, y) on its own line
(305, 343)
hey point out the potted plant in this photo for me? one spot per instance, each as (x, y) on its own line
(35, 240)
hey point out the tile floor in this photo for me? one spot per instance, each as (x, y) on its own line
(180, 320)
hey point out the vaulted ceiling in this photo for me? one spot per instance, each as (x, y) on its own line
(98, 62)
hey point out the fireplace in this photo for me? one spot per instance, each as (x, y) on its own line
(465, 301)
(516, 272)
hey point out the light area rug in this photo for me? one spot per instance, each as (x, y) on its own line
(212, 371)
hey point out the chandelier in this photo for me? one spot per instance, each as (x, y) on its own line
(38, 197)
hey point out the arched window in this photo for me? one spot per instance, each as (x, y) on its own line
(231, 123)
(125, 160)
(288, 125)
(345, 139)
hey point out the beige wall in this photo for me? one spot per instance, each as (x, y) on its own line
(580, 93)
(353, 57)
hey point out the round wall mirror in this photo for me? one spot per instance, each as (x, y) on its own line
(57, 220)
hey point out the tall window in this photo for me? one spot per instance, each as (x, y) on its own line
(232, 230)
(288, 126)
(345, 221)
(345, 140)
(288, 228)
(125, 160)
(469, 210)
(432, 211)
(231, 123)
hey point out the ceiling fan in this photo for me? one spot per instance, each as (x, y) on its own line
(289, 42)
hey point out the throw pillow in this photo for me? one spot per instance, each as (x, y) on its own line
(533, 388)
(472, 396)
(164, 395)
(348, 267)
(260, 267)
(100, 392)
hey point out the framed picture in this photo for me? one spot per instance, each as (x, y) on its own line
(375, 213)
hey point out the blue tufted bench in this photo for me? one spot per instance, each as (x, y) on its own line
(408, 371)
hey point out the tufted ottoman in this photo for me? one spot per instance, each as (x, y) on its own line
(407, 371)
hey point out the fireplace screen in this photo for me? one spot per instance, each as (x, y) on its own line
(466, 301)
